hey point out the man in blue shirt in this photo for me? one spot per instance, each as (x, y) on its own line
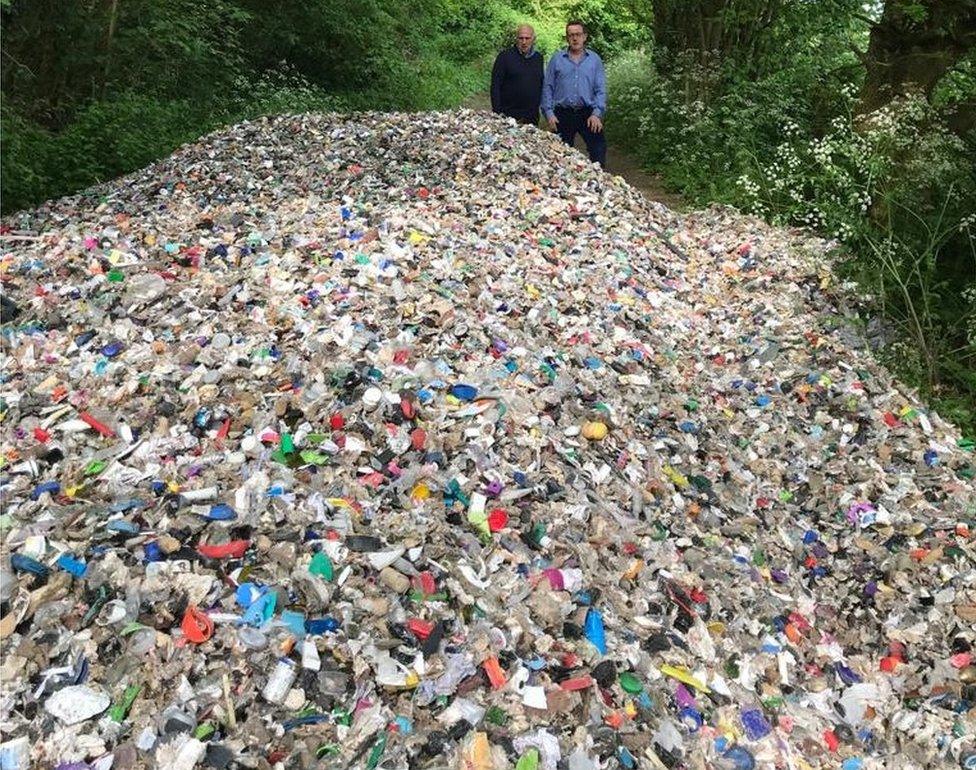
(574, 94)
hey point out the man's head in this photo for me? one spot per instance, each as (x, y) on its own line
(524, 38)
(576, 36)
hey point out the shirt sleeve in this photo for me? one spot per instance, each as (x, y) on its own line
(497, 73)
(599, 90)
(549, 87)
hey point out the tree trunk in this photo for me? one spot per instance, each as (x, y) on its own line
(913, 45)
(109, 38)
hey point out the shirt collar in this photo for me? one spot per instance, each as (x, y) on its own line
(586, 52)
(528, 55)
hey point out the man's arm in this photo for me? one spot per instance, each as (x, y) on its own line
(497, 74)
(599, 90)
(549, 88)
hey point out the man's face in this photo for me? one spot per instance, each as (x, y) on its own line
(576, 38)
(524, 39)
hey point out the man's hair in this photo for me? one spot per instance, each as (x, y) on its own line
(577, 23)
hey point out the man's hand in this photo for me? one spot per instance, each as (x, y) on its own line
(594, 124)
(553, 122)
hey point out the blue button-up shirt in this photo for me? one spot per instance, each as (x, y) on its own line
(575, 84)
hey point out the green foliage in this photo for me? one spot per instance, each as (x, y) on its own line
(614, 26)
(94, 90)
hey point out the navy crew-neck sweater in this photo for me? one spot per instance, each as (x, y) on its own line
(516, 84)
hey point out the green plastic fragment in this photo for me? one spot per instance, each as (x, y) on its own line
(538, 532)
(967, 444)
(496, 716)
(122, 706)
(529, 760)
(115, 276)
(101, 599)
(311, 457)
(321, 565)
(327, 750)
(659, 532)
(630, 683)
(204, 731)
(95, 467)
(731, 668)
(287, 443)
(376, 753)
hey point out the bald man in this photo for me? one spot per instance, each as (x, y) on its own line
(516, 79)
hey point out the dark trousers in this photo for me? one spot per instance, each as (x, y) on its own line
(525, 118)
(572, 121)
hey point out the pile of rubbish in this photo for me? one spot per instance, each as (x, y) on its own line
(388, 440)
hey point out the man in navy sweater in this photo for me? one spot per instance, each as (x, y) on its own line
(516, 79)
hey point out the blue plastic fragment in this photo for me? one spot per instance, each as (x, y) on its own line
(308, 719)
(45, 488)
(121, 525)
(112, 349)
(21, 563)
(317, 626)
(583, 597)
(261, 610)
(295, 621)
(691, 718)
(846, 675)
(626, 758)
(741, 758)
(594, 631)
(404, 725)
(464, 392)
(221, 512)
(247, 593)
(755, 724)
(153, 552)
(69, 563)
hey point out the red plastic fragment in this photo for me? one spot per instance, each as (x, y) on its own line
(233, 550)
(197, 626)
(99, 426)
